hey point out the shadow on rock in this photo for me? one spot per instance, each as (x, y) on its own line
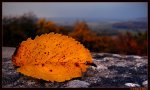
(129, 70)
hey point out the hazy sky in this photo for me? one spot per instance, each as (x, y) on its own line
(113, 10)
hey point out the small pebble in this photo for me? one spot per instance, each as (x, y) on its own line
(132, 85)
(77, 84)
(145, 83)
(101, 67)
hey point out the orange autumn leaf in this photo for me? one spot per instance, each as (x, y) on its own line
(52, 57)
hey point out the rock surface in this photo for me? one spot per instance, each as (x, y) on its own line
(77, 84)
(112, 71)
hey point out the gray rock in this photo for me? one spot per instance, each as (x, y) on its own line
(132, 85)
(93, 80)
(101, 67)
(91, 72)
(113, 70)
(49, 85)
(108, 58)
(137, 57)
(7, 52)
(132, 57)
(31, 82)
(93, 68)
(117, 55)
(7, 79)
(145, 83)
(77, 84)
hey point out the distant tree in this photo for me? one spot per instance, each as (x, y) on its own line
(142, 41)
(17, 29)
(83, 34)
(44, 26)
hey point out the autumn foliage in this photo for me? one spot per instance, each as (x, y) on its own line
(122, 43)
(18, 29)
(43, 26)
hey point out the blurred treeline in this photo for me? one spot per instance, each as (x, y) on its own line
(17, 29)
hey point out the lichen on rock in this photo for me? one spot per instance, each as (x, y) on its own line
(52, 57)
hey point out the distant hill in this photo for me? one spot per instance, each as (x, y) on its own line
(141, 19)
(131, 25)
(105, 26)
(72, 20)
